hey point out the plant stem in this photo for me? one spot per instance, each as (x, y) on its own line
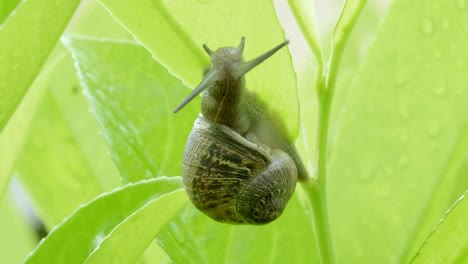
(325, 86)
(322, 228)
(316, 187)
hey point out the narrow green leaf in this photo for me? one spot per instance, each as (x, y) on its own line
(345, 25)
(17, 130)
(348, 17)
(174, 31)
(131, 237)
(17, 236)
(41, 23)
(304, 13)
(132, 97)
(402, 135)
(448, 242)
(308, 64)
(85, 229)
(192, 237)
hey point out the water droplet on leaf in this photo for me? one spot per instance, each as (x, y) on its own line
(402, 162)
(445, 24)
(403, 137)
(434, 129)
(404, 113)
(427, 27)
(440, 89)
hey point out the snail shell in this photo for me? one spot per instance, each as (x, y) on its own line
(233, 180)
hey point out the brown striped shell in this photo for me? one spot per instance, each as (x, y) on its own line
(233, 180)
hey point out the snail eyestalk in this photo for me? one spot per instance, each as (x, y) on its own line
(247, 66)
(209, 79)
(240, 49)
(208, 50)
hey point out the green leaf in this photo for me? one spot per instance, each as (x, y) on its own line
(131, 237)
(6, 6)
(402, 137)
(154, 252)
(83, 128)
(94, 20)
(355, 52)
(22, 55)
(74, 165)
(132, 97)
(61, 179)
(448, 242)
(174, 31)
(17, 237)
(90, 224)
(190, 236)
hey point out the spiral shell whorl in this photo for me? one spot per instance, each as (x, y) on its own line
(226, 176)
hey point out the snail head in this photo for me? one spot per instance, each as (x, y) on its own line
(227, 62)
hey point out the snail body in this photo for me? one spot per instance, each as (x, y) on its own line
(239, 165)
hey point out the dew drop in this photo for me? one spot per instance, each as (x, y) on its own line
(453, 47)
(370, 107)
(382, 191)
(98, 239)
(402, 77)
(402, 162)
(445, 24)
(366, 175)
(427, 27)
(149, 174)
(403, 109)
(440, 90)
(123, 129)
(3, 59)
(434, 129)
(403, 137)
(15, 66)
(388, 171)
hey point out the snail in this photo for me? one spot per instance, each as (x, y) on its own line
(239, 165)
